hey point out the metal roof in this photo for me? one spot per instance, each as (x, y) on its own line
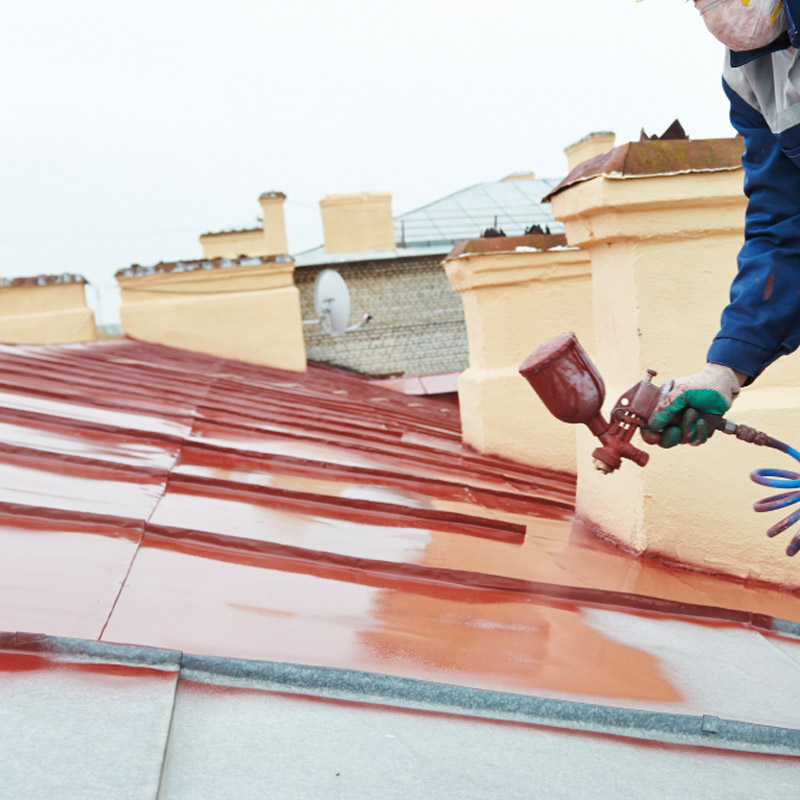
(238, 577)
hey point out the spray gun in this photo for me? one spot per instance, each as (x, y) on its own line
(568, 383)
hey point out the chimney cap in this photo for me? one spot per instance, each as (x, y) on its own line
(270, 195)
(355, 198)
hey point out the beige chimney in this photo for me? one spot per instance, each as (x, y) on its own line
(274, 223)
(357, 222)
(269, 240)
(590, 146)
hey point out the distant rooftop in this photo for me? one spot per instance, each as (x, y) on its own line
(512, 205)
(509, 205)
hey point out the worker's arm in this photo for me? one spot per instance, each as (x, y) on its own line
(762, 320)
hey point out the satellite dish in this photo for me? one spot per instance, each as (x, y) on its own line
(332, 303)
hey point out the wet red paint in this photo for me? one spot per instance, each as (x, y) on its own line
(370, 512)
(225, 509)
(356, 616)
(60, 573)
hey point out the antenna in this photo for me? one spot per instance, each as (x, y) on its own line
(332, 304)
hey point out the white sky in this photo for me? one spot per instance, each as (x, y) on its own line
(130, 128)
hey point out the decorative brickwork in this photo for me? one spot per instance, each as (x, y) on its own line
(417, 325)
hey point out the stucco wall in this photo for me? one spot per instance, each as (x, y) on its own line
(514, 301)
(247, 312)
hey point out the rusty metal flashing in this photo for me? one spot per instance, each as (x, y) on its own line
(657, 157)
(506, 244)
(137, 270)
(43, 280)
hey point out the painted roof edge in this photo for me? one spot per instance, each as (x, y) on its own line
(408, 693)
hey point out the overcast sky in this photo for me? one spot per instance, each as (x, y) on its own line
(130, 128)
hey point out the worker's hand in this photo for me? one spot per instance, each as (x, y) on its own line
(678, 421)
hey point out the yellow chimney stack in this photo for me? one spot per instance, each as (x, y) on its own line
(590, 146)
(357, 222)
(268, 240)
(274, 223)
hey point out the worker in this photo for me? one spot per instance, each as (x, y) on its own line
(761, 78)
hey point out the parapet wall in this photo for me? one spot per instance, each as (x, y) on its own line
(517, 292)
(47, 309)
(246, 309)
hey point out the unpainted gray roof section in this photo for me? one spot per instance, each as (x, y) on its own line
(511, 205)
(95, 720)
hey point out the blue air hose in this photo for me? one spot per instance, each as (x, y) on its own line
(781, 479)
(777, 478)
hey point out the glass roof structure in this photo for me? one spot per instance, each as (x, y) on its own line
(511, 205)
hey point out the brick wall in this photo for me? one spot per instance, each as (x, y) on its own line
(417, 325)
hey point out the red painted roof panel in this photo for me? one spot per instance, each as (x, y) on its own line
(160, 498)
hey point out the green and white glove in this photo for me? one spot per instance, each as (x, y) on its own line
(678, 421)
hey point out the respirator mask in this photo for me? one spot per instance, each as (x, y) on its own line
(744, 24)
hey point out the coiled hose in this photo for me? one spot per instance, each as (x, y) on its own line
(781, 479)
